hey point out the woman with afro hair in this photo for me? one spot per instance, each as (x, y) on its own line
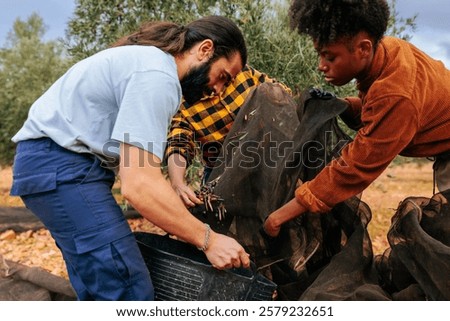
(402, 108)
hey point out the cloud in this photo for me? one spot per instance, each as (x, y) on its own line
(446, 46)
(431, 13)
(434, 42)
(433, 25)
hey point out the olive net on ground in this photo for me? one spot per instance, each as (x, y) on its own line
(277, 141)
(19, 282)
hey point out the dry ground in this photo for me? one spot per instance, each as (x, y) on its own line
(383, 196)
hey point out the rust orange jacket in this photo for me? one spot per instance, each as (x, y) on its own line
(403, 108)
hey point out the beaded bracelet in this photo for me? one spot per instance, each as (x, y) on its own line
(206, 243)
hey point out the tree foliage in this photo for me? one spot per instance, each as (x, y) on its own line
(28, 67)
(98, 23)
(273, 48)
(398, 26)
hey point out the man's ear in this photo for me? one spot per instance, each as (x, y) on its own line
(205, 50)
(365, 48)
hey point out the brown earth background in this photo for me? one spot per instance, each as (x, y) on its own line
(37, 248)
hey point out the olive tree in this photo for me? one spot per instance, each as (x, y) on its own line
(28, 66)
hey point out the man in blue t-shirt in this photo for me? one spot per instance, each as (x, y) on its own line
(109, 115)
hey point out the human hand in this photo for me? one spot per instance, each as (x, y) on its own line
(321, 93)
(290, 210)
(187, 195)
(344, 101)
(225, 252)
(270, 228)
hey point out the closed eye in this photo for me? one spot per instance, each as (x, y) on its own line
(227, 78)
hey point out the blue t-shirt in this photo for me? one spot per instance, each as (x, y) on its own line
(123, 94)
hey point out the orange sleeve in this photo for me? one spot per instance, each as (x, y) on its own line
(304, 196)
(390, 125)
(352, 115)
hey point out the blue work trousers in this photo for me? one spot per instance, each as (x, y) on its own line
(71, 194)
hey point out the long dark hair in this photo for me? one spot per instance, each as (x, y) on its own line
(329, 20)
(175, 39)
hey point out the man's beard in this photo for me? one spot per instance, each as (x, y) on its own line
(194, 84)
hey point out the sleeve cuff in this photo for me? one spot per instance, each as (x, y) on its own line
(180, 151)
(306, 198)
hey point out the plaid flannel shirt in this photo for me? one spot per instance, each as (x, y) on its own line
(203, 126)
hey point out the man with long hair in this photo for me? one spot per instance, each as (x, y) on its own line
(109, 115)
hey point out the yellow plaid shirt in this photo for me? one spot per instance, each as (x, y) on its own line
(203, 126)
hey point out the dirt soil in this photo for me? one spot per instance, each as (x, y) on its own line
(37, 248)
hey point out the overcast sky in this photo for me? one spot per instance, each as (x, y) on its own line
(55, 14)
(432, 35)
(433, 26)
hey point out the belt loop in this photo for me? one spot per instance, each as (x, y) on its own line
(48, 144)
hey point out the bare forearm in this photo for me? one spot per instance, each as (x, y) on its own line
(155, 200)
(144, 186)
(287, 212)
(176, 167)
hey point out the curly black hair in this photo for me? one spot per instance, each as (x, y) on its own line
(327, 21)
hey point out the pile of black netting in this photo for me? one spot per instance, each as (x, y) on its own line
(276, 141)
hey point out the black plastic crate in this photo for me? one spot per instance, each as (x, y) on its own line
(181, 272)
